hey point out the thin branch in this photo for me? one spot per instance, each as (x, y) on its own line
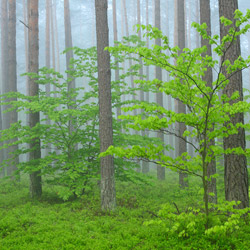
(24, 24)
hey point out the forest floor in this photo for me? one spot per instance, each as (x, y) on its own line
(51, 224)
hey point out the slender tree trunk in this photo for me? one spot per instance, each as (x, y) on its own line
(56, 38)
(208, 78)
(169, 98)
(4, 63)
(158, 75)
(12, 81)
(34, 118)
(117, 77)
(236, 176)
(181, 108)
(69, 55)
(53, 35)
(145, 164)
(108, 200)
(47, 59)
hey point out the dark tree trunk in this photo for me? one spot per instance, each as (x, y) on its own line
(208, 77)
(105, 109)
(34, 118)
(236, 176)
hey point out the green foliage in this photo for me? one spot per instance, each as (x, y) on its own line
(80, 224)
(208, 114)
(72, 132)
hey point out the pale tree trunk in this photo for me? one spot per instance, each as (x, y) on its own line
(189, 45)
(169, 98)
(181, 108)
(35, 177)
(69, 55)
(208, 78)
(47, 59)
(68, 40)
(108, 199)
(158, 75)
(25, 40)
(4, 63)
(12, 75)
(56, 38)
(141, 92)
(117, 77)
(52, 35)
(127, 34)
(176, 125)
(145, 164)
(236, 176)
(4, 67)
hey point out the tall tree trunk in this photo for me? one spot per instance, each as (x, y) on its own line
(141, 92)
(205, 17)
(236, 176)
(56, 38)
(4, 63)
(117, 77)
(12, 75)
(169, 98)
(145, 164)
(47, 58)
(108, 200)
(158, 75)
(69, 55)
(181, 108)
(34, 118)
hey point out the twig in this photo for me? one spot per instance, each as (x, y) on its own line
(24, 24)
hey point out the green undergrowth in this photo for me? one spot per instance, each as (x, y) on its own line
(50, 223)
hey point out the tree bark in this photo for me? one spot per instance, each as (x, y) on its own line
(4, 66)
(158, 75)
(34, 118)
(47, 59)
(108, 200)
(208, 78)
(12, 75)
(117, 76)
(181, 108)
(235, 175)
(145, 164)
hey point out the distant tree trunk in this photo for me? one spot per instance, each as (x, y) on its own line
(69, 55)
(117, 77)
(127, 34)
(25, 40)
(145, 164)
(169, 98)
(108, 199)
(35, 177)
(47, 58)
(12, 75)
(68, 40)
(208, 78)
(56, 39)
(181, 108)
(53, 35)
(236, 176)
(4, 66)
(141, 92)
(158, 75)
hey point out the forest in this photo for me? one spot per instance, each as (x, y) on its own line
(124, 124)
